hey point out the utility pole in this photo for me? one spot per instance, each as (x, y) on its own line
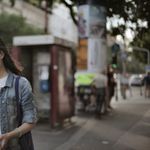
(144, 50)
(46, 17)
(44, 5)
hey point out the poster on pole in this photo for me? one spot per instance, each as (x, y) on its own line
(97, 22)
(96, 55)
(147, 68)
(83, 26)
(82, 54)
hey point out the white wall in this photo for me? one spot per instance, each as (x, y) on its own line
(61, 24)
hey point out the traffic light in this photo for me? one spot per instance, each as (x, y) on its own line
(114, 61)
(115, 49)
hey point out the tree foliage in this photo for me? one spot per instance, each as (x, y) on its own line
(132, 12)
(12, 25)
(142, 38)
(129, 10)
(12, 2)
(70, 5)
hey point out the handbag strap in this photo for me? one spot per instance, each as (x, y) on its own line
(19, 112)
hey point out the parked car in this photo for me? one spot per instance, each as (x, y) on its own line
(135, 80)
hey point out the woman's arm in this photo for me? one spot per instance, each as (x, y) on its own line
(18, 132)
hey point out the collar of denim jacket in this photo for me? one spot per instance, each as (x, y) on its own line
(9, 81)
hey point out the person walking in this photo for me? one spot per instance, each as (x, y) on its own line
(146, 82)
(100, 84)
(10, 130)
(124, 82)
(110, 85)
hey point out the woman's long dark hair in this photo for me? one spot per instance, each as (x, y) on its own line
(7, 60)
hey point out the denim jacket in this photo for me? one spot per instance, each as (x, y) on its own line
(8, 109)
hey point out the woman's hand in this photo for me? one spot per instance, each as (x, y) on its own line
(3, 141)
(24, 128)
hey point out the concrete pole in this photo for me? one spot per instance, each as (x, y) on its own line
(44, 5)
(46, 17)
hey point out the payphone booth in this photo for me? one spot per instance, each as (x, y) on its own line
(49, 64)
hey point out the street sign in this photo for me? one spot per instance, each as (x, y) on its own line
(147, 68)
(124, 55)
(115, 48)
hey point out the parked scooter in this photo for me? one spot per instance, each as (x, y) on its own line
(84, 93)
(83, 87)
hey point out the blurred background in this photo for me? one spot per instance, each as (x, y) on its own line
(62, 44)
(89, 35)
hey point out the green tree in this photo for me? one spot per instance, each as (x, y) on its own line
(71, 4)
(129, 10)
(142, 38)
(12, 2)
(12, 25)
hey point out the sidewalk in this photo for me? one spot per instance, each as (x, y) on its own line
(46, 138)
(125, 128)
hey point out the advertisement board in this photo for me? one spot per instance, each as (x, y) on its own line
(97, 38)
(91, 53)
(96, 55)
(82, 54)
(83, 26)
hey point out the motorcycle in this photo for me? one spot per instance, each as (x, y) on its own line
(84, 93)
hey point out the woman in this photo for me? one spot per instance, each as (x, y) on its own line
(9, 130)
(110, 84)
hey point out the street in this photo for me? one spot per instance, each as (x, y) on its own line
(125, 128)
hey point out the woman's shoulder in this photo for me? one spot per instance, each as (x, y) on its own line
(23, 81)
